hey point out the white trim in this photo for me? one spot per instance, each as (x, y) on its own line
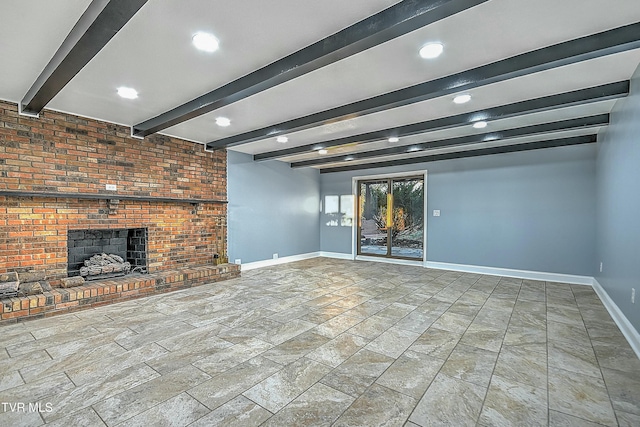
(283, 260)
(22, 113)
(507, 272)
(336, 255)
(627, 329)
(390, 260)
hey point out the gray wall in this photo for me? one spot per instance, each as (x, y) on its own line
(272, 209)
(618, 196)
(529, 211)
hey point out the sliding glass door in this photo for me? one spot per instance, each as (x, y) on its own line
(391, 218)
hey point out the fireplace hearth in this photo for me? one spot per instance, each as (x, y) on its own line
(93, 250)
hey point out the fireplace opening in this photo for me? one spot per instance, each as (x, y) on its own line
(97, 249)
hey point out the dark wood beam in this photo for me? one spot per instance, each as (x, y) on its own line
(589, 47)
(559, 126)
(586, 139)
(546, 103)
(399, 19)
(95, 28)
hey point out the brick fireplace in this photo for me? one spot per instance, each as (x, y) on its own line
(54, 172)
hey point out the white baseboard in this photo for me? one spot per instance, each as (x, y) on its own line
(390, 260)
(336, 255)
(627, 329)
(507, 272)
(283, 260)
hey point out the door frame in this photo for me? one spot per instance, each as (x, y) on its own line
(354, 227)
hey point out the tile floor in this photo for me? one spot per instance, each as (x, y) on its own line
(328, 342)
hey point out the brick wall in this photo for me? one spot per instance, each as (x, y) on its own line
(62, 153)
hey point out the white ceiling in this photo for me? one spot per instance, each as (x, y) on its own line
(153, 53)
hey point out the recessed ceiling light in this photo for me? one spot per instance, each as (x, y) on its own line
(431, 50)
(412, 149)
(323, 151)
(205, 42)
(394, 139)
(282, 139)
(127, 92)
(480, 125)
(223, 121)
(462, 99)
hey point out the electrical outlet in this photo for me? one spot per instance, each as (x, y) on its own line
(600, 267)
(111, 187)
(633, 295)
(275, 256)
(238, 261)
(436, 212)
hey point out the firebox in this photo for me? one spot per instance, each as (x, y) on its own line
(130, 244)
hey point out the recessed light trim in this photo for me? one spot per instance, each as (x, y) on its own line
(127, 92)
(205, 42)
(322, 152)
(480, 125)
(223, 121)
(394, 139)
(282, 139)
(462, 99)
(431, 50)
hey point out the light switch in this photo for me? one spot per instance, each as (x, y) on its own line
(436, 212)
(111, 187)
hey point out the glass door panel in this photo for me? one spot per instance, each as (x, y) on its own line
(407, 234)
(372, 217)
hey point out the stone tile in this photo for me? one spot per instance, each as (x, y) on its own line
(138, 399)
(224, 387)
(471, 364)
(358, 372)
(624, 389)
(628, 420)
(276, 391)
(378, 406)
(19, 418)
(200, 338)
(179, 411)
(557, 331)
(519, 365)
(580, 395)
(86, 373)
(572, 357)
(393, 342)
(71, 400)
(396, 311)
(250, 330)
(239, 412)
(411, 373)
(449, 402)
(436, 343)
(339, 349)
(85, 356)
(452, 322)
(372, 327)
(318, 406)
(10, 380)
(531, 339)
(85, 417)
(27, 344)
(511, 404)
(295, 348)
(497, 319)
(153, 335)
(616, 356)
(229, 357)
(416, 321)
(38, 390)
(483, 337)
(334, 327)
(286, 331)
(558, 419)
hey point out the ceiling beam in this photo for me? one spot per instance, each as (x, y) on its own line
(589, 47)
(563, 142)
(397, 20)
(559, 126)
(97, 25)
(546, 103)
